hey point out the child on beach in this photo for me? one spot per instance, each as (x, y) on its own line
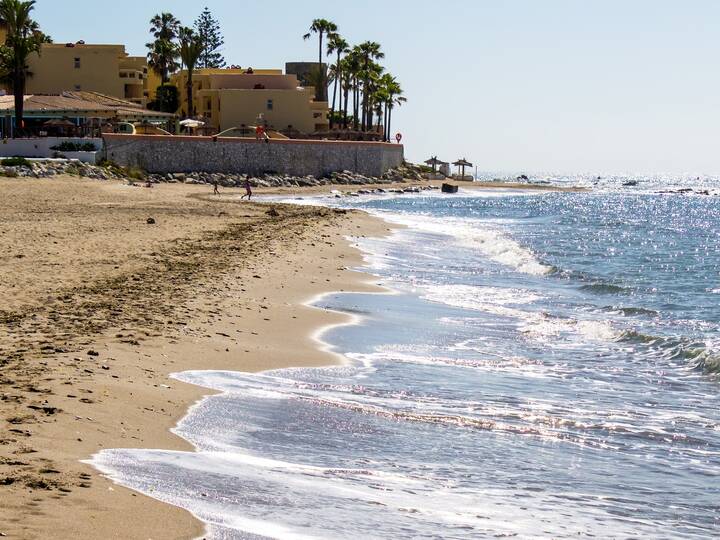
(248, 190)
(215, 188)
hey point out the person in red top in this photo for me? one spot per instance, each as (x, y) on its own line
(260, 133)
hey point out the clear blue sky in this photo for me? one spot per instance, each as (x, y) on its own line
(514, 85)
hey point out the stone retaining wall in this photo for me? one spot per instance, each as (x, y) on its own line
(166, 154)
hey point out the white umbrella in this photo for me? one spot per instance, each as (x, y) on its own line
(191, 123)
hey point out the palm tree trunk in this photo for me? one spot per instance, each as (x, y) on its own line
(345, 109)
(321, 73)
(19, 93)
(335, 86)
(356, 105)
(369, 123)
(386, 133)
(190, 95)
(389, 122)
(364, 105)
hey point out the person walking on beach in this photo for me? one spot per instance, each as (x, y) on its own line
(248, 190)
(216, 191)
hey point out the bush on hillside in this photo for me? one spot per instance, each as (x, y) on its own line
(67, 146)
(15, 162)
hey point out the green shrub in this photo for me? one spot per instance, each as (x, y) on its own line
(67, 146)
(167, 99)
(15, 162)
(108, 164)
(134, 172)
(73, 170)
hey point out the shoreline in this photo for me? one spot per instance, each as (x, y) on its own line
(121, 396)
(347, 188)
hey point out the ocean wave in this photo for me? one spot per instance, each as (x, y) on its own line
(543, 326)
(605, 288)
(489, 361)
(631, 311)
(494, 300)
(699, 355)
(504, 302)
(474, 234)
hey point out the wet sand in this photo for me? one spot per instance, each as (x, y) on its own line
(99, 307)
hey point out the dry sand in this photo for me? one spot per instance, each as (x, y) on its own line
(99, 307)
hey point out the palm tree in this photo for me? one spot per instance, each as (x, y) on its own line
(346, 87)
(352, 70)
(23, 39)
(380, 97)
(321, 27)
(164, 26)
(192, 47)
(163, 58)
(336, 44)
(369, 51)
(370, 90)
(163, 54)
(395, 97)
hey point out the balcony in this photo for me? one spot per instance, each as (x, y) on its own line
(132, 76)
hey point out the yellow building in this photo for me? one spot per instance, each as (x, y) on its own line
(232, 97)
(106, 69)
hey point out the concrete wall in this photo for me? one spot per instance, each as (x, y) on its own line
(40, 147)
(162, 154)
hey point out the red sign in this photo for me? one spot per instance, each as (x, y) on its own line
(398, 137)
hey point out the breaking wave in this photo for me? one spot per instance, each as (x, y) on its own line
(474, 234)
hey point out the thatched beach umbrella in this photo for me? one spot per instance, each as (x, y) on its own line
(433, 162)
(462, 163)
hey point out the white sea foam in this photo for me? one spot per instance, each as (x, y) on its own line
(495, 300)
(476, 234)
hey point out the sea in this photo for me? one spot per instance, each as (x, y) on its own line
(542, 365)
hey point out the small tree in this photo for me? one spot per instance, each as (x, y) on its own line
(167, 99)
(191, 49)
(208, 29)
(23, 39)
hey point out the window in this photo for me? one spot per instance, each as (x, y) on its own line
(269, 104)
(77, 63)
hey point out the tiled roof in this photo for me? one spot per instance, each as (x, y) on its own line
(102, 99)
(79, 102)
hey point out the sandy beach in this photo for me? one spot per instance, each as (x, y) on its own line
(100, 306)
(108, 289)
